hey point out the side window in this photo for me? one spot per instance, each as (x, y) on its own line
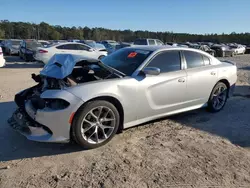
(151, 42)
(193, 59)
(158, 42)
(206, 60)
(167, 61)
(82, 47)
(67, 47)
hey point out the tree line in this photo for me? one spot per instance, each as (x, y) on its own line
(45, 31)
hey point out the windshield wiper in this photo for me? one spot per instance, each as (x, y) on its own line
(112, 70)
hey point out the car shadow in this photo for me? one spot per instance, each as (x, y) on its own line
(245, 68)
(231, 123)
(13, 62)
(15, 146)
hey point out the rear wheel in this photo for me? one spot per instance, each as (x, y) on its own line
(218, 97)
(95, 124)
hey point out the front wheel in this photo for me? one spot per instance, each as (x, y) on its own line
(95, 124)
(218, 97)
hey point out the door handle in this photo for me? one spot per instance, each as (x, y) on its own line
(213, 73)
(181, 80)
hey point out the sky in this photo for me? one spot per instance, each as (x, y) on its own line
(181, 16)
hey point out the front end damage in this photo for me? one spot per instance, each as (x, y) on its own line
(45, 111)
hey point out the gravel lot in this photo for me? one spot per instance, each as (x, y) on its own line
(193, 149)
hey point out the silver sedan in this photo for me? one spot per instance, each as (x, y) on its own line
(89, 101)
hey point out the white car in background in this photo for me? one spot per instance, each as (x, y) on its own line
(2, 60)
(44, 54)
(238, 49)
(12, 46)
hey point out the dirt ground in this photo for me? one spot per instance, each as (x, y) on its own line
(193, 149)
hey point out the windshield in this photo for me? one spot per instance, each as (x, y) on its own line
(33, 44)
(126, 60)
(15, 42)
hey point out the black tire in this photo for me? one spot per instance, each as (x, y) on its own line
(211, 107)
(82, 113)
(102, 56)
(20, 56)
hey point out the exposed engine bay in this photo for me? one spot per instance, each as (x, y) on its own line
(82, 72)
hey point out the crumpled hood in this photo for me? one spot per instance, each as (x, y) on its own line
(61, 65)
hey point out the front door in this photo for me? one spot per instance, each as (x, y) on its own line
(166, 92)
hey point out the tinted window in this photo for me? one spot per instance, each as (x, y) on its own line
(82, 47)
(67, 47)
(126, 60)
(206, 60)
(167, 61)
(193, 59)
(151, 42)
(140, 42)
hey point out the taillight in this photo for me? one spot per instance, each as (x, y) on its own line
(1, 53)
(43, 51)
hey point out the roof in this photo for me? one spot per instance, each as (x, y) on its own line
(151, 48)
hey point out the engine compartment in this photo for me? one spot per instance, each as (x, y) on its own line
(82, 72)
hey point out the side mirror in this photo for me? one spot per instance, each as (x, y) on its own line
(91, 50)
(151, 71)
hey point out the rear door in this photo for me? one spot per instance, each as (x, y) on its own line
(166, 92)
(201, 77)
(87, 51)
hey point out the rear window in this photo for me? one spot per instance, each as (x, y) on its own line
(126, 60)
(140, 42)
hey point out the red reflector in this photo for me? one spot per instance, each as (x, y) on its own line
(71, 117)
(43, 51)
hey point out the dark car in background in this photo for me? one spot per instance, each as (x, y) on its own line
(28, 49)
(204, 48)
(123, 45)
(223, 51)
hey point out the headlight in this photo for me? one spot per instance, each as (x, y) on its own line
(56, 104)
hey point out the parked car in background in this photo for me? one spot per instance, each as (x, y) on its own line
(204, 48)
(45, 53)
(92, 100)
(108, 42)
(123, 45)
(223, 51)
(44, 43)
(2, 45)
(2, 60)
(97, 46)
(247, 49)
(28, 49)
(153, 42)
(171, 43)
(238, 49)
(12, 46)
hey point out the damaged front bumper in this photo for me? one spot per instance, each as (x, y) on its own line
(46, 125)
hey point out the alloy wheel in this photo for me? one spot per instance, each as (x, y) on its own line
(98, 125)
(219, 97)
